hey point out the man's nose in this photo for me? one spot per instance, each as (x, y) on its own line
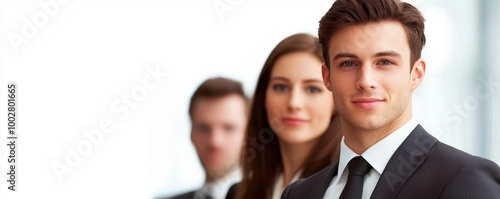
(216, 138)
(366, 78)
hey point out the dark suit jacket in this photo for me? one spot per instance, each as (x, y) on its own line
(422, 167)
(188, 195)
(231, 194)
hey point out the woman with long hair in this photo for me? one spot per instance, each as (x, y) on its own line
(293, 131)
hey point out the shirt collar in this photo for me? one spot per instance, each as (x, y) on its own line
(380, 153)
(219, 188)
(278, 184)
(346, 154)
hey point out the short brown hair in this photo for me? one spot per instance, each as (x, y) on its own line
(216, 88)
(347, 12)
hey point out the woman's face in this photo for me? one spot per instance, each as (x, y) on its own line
(298, 105)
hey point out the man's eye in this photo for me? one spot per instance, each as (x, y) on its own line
(386, 62)
(347, 64)
(202, 128)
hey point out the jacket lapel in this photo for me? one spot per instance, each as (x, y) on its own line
(320, 190)
(405, 161)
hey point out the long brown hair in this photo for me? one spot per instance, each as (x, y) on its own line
(262, 159)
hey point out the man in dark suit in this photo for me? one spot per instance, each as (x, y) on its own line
(218, 111)
(372, 66)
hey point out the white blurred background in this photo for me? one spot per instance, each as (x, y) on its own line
(82, 63)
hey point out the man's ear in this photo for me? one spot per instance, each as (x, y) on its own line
(417, 73)
(325, 72)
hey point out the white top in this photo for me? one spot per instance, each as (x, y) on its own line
(377, 156)
(278, 184)
(220, 187)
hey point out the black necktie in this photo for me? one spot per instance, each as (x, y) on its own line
(209, 191)
(208, 197)
(358, 168)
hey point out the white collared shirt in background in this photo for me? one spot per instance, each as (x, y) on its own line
(377, 156)
(219, 188)
(278, 184)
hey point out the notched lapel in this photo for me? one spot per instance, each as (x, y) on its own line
(320, 190)
(403, 163)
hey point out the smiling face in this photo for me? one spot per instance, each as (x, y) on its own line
(370, 76)
(298, 105)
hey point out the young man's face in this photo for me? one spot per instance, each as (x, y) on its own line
(370, 77)
(218, 128)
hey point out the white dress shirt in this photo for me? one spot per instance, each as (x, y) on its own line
(218, 189)
(377, 156)
(278, 184)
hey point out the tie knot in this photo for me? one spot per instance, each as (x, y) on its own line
(208, 192)
(359, 166)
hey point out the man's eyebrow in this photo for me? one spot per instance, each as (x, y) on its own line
(344, 55)
(388, 54)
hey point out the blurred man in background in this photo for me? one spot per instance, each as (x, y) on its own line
(218, 112)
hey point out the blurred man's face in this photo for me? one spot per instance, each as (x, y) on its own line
(218, 127)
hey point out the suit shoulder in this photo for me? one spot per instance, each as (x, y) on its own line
(460, 158)
(320, 176)
(231, 193)
(303, 187)
(474, 177)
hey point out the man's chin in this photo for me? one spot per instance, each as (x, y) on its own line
(217, 171)
(367, 125)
